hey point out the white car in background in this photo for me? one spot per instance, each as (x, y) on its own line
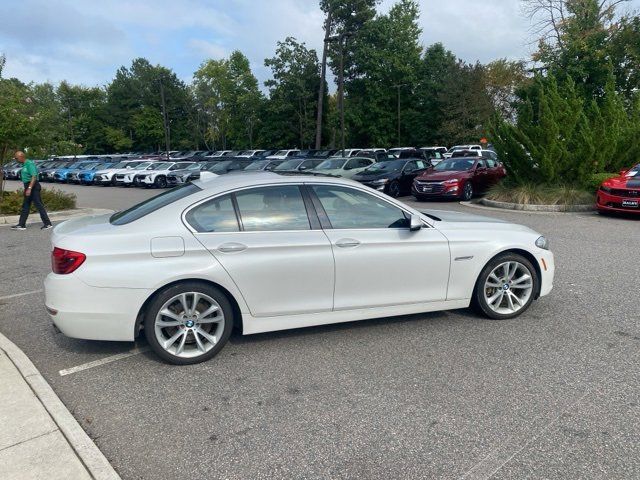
(157, 176)
(344, 167)
(283, 154)
(250, 153)
(264, 252)
(106, 176)
(456, 148)
(126, 178)
(347, 152)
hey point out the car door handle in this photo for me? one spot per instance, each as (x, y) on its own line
(231, 247)
(347, 243)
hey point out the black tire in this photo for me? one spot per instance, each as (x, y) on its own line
(478, 300)
(467, 191)
(393, 189)
(113, 181)
(160, 182)
(165, 295)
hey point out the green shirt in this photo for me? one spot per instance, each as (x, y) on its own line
(29, 170)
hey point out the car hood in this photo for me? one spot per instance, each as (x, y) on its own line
(183, 172)
(623, 182)
(442, 176)
(367, 176)
(449, 220)
(338, 172)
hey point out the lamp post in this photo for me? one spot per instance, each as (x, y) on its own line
(399, 86)
(342, 41)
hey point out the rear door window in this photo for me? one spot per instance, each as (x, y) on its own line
(272, 209)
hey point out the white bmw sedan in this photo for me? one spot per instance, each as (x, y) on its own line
(263, 252)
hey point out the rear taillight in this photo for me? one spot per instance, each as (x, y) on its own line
(66, 261)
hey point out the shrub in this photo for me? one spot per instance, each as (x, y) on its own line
(597, 179)
(533, 194)
(11, 202)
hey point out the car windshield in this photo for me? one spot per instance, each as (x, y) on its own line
(119, 165)
(633, 171)
(142, 166)
(259, 165)
(388, 166)
(332, 164)
(281, 153)
(161, 166)
(288, 165)
(197, 166)
(457, 165)
(218, 166)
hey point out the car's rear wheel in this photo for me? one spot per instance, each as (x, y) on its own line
(393, 190)
(467, 191)
(188, 323)
(506, 287)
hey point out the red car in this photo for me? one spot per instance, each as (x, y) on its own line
(458, 178)
(620, 194)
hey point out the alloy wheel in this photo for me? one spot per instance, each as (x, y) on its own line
(189, 324)
(467, 191)
(508, 287)
(394, 189)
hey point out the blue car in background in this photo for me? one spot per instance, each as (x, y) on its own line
(62, 175)
(85, 177)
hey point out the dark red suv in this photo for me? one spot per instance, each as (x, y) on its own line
(458, 178)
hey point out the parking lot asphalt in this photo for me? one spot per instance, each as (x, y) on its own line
(552, 394)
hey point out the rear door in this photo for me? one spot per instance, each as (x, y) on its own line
(276, 253)
(378, 260)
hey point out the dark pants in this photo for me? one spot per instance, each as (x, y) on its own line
(37, 201)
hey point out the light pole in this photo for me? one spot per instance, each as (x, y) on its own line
(164, 117)
(398, 86)
(342, 40)
(323, 74)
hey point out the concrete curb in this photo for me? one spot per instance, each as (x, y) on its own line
(537, 208)
(478, 206)
(92, 458)
(54, 216)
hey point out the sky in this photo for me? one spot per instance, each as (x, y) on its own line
(86, 41)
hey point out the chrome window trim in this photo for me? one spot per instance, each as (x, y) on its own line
(365, 190)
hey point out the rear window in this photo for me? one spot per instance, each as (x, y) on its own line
(151, 205)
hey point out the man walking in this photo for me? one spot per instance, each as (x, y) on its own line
(32, 189)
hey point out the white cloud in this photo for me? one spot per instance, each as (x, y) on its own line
(86, 41)
(208, 49)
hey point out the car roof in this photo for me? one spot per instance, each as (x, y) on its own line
(231, 181)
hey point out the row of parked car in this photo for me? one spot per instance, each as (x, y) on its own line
(423, 172)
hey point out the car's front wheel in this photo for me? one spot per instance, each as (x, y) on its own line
(161, 182)
(467, 191)
(188, 323)
(393, 189)
(506, 287)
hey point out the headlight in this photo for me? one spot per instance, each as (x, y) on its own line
(453, 181)
(543, 243)
(381, 181)
(605, 189)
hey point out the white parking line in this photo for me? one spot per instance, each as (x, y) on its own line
(16, 295)
(102, 361)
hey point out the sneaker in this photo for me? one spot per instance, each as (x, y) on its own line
(18, 227)
(46, 227)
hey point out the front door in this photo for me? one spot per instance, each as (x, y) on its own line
(379, 261)
(262, 237)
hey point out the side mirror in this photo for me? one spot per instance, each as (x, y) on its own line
(622, 172)
(415, 223)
